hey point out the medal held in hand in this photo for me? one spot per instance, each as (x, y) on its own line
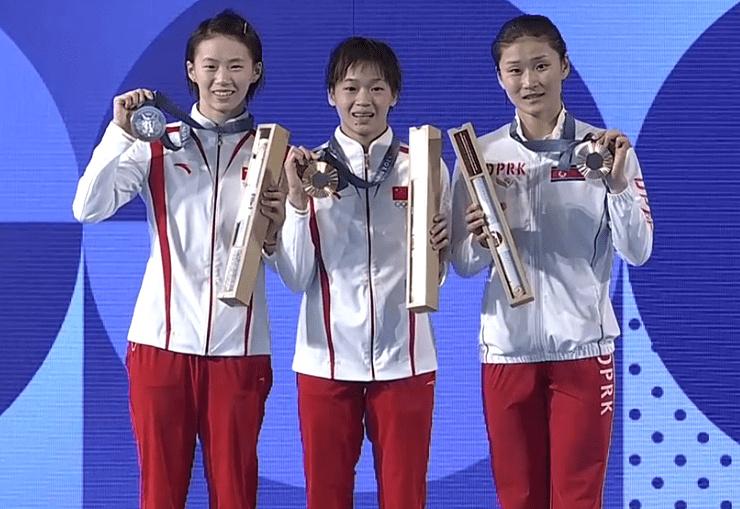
(320, 179)
(593, 161)
(148, 123)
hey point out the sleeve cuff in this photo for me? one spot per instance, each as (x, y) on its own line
(293, 210)
(623, 199)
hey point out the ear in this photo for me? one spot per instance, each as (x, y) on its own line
(395, 100)
(565, 68)
(191, 70)
(500, 81)
(330, 98)
(256, 72)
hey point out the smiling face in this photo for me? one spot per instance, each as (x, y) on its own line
(223, 70)
(363, 99)
(532, 74)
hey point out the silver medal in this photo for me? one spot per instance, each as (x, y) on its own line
(148, 123)
(592, 160)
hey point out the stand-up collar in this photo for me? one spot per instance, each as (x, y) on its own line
(207, 122)
(355, 152)
(556, 133)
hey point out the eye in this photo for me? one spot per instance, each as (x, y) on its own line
(378, 88)
(542, 66)
(513, 70)
(237, 67)
(349, 88)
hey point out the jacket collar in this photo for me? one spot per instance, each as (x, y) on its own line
(206, 122)
(356, 153)
(556, 132)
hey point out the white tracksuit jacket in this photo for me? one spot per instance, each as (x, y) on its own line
(191, 196)
(565, 229)
(348, 254)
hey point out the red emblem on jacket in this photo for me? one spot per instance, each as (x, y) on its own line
(557, 175)
(400, 193)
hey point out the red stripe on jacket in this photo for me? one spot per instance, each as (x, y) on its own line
(159, 203)
(412, 342)
(239, 146)
(246, 327)
(324, 278)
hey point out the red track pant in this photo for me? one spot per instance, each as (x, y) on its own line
(549, 427)
(175, 397)
(398, 416)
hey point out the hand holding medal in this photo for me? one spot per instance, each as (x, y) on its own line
(126, 104)
(614, 142)
(593, 160)
(296, 163)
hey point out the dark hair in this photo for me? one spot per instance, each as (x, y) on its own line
(532, 25)
(230, 24)
(356, 50)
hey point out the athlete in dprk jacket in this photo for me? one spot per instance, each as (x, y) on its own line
(547, 375)
(565, 228)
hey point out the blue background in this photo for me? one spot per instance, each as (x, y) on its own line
(666, 73)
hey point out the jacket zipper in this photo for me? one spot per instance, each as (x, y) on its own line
(536, 260)
(370, 270)
(214, 209)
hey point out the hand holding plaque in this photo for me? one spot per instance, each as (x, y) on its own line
(422, 261)
(265, 167)
(498, 236)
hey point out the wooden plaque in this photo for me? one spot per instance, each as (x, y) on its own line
(265, 167)
(422, 262)
(482, 192)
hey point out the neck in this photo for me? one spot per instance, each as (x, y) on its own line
(221, 117)
(365, 141)
(536, 127)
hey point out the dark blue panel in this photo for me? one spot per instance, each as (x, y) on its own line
(38, 274)
(110, 466)
(688, 293)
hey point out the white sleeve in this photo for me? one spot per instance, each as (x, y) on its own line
(295, 254)
(115, 174)
(629, 216)
(445, 208)
(468, 256)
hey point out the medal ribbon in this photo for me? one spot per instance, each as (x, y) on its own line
(334, 155)
(565, 145)
(164, 104)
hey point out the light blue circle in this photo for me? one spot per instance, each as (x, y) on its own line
(38, 169)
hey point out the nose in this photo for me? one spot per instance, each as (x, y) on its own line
(363, 96)
(528, 78)
(222, 74)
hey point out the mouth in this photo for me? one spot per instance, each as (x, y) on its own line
(223, 93)
(363, 115)
(532, 97)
